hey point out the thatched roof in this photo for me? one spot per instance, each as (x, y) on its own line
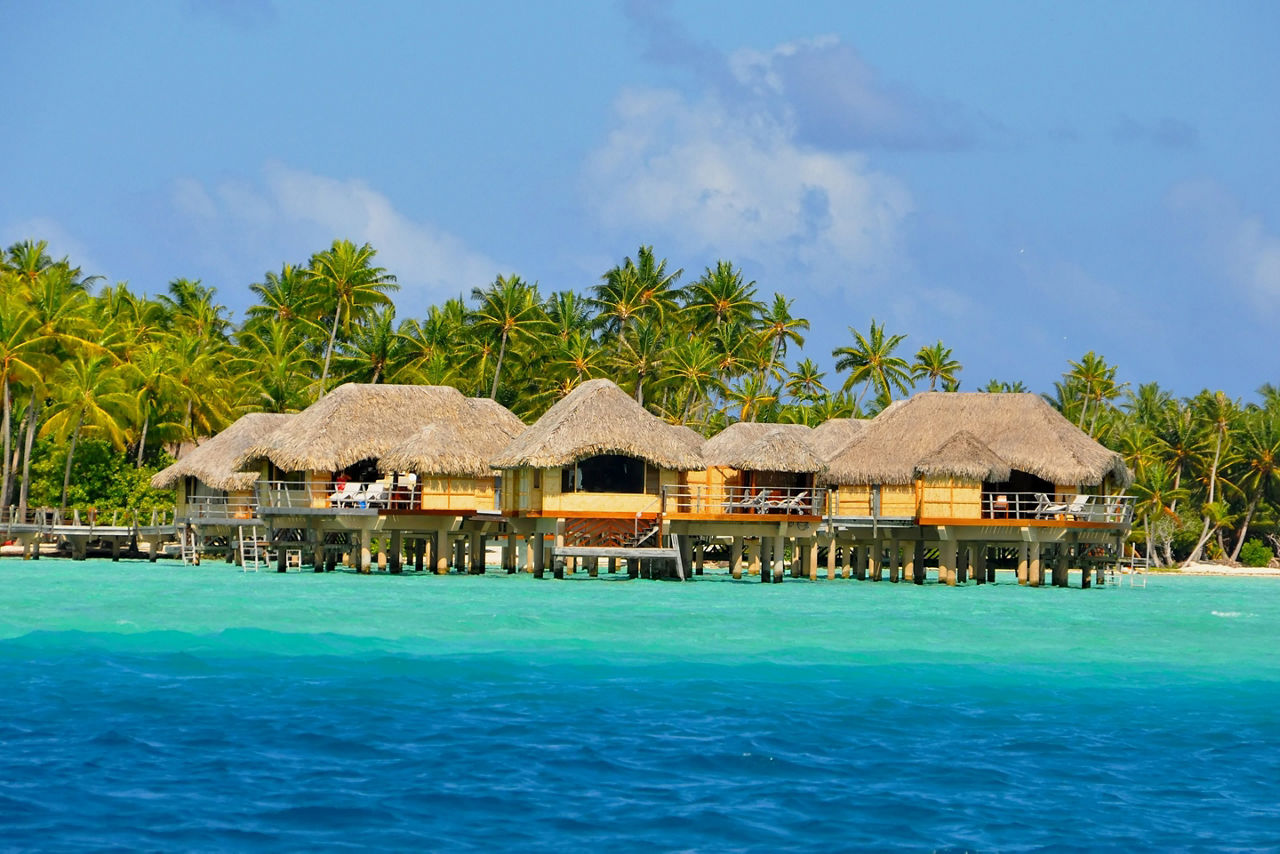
(360, 422)
(1022, 430)
(692, 439)
(753, 446)
(831, 437)
(963, 456)
(595, 418)
(456, 448)
(217, 462)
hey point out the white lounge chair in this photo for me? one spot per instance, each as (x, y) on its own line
(346, 496)
(374, 495)
(1076, 509)
(1046, 509)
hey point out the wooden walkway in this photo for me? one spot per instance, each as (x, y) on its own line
(42, 525)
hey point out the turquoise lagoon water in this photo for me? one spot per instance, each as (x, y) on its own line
(160, 707)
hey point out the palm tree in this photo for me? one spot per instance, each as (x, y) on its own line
(149, 378)
(90, 399)
(690, 369)
(350, 286)
(190, 311)
(1095, 382)
(934, 361)
(510, 309)
(641, 351)
(1157, 497)
(568, 315)
(1259, 461)
(805, 382)
(1217, 415)
(289, 295)
(278, 365)
(998, 387)
(871, 362)
(657, 293)
(25, 356)
(780, 328)
(751, 396)
(720, 296)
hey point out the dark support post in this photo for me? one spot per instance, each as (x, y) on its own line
(539, 556)
(918, 570)
(394, 565)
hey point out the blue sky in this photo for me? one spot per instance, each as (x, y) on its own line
(1026, 181)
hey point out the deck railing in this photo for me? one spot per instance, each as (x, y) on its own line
(1067, 507)
(743, 501)
(208, 508)
(282, 494)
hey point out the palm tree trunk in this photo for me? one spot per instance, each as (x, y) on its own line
(1205, 532)
(142, 440)
(5, 426)
(328, 350)
(1146, 530)
(26, 454)
(71, 454)
(1244, 527)
(497, 370)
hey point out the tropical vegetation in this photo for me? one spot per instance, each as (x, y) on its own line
(99, 384)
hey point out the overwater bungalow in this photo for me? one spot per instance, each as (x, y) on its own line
(759, 484)
(403, 464)
(591, 472)
(214, 482)
(965, 472)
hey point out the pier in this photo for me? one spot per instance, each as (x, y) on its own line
(77, 531)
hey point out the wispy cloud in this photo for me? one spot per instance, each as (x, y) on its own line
(1237, 246)
(739, 185)
(1165, 132)
(294, 212)
(821, 87)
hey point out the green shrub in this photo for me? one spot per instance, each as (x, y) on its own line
(1255, 553)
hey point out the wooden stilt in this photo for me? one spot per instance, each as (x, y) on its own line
(593, 567)
(1034, 568)
(893, 560)
(365, 561)
(735, 558)
(809, 553)
(779, 559)
(846, 559)
(980, 563)
(831, 558)
(947, 553)
(1024, 562)
(766, 559)
(757, 556)
(395, 555)
(539, 555)
(919, 570)
(962, 564)
(613, 565)
(699, 557)
(875, 559)
(441, 551)
(860, 562)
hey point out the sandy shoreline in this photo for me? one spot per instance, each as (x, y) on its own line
(1220, 570)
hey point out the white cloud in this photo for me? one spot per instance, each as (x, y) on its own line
(1238, 245)
(736, 184)
(292, 213)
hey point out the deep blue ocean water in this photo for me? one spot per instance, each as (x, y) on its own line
(158, 707)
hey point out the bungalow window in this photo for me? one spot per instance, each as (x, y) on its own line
(609, 473)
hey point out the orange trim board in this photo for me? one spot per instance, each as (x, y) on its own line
(1017, 523)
